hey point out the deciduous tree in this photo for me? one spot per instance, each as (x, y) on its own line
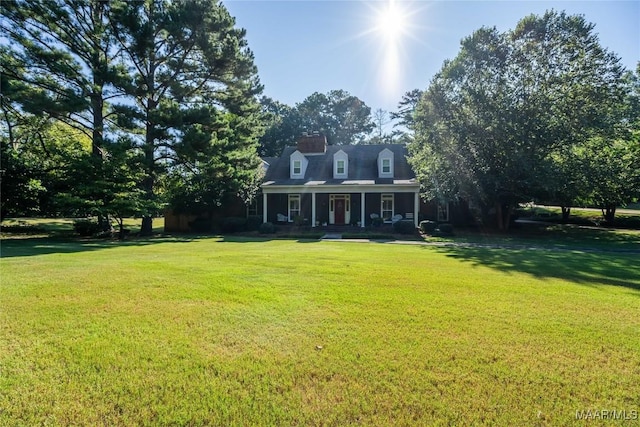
(492, 116)
(343, 118)
(283, 125)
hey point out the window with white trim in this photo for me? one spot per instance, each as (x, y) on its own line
(386, 207)
(294, 206)
(386, 166)
(340, 165)
(298, 165)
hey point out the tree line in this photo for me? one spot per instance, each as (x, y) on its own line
(120, 108)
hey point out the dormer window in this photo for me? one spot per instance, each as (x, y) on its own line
(385, 164)
(298, 165)
(340, 165)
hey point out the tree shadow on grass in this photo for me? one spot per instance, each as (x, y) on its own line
(561, 236)
(588, 268)
(44, 245)
(590, 237)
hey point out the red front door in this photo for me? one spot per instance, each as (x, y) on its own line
(339, 212)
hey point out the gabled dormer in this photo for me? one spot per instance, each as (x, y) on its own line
(340, 165)
(385, 164)
(297, 165)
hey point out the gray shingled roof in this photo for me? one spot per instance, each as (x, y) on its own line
(363, 165)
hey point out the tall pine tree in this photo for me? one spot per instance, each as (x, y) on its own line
(62, 57)
(194, 87)
(63, 50)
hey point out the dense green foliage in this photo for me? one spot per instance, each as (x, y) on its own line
(503, 122)
(62, 57)
(267, 228)
(118, 108)
(341, 117)
(404, 227)
(428, 227)
(233, 225)
(283, 126)
(86, 227)
(160, 88)
(54, 77)
(194, 86)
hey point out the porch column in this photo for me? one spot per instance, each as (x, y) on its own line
(362, 210)
(313, 209)
(264, 207)
(416, 208)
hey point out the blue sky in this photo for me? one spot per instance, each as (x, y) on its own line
(303, 47)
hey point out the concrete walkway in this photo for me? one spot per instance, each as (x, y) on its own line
(332, 236)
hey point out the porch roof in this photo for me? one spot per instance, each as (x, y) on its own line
(346, 186)
(330, 182)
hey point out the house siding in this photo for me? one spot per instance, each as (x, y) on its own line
(276, 204)
(403, 204)
(322, 208)
(372, 206)
(206, 221)
(178, 223)
(459, 213)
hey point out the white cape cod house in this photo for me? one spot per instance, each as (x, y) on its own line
(319, 185)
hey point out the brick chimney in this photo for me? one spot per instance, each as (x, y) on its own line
(312, 143)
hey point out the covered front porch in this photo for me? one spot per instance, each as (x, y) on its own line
(321, 207)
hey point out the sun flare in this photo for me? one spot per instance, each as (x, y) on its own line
(392, 22)
(390, 25)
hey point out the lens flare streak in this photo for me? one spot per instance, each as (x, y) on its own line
(390, 24)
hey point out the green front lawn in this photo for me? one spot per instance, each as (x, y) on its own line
(242, 331)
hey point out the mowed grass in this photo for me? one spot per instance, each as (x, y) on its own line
(246, 331)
